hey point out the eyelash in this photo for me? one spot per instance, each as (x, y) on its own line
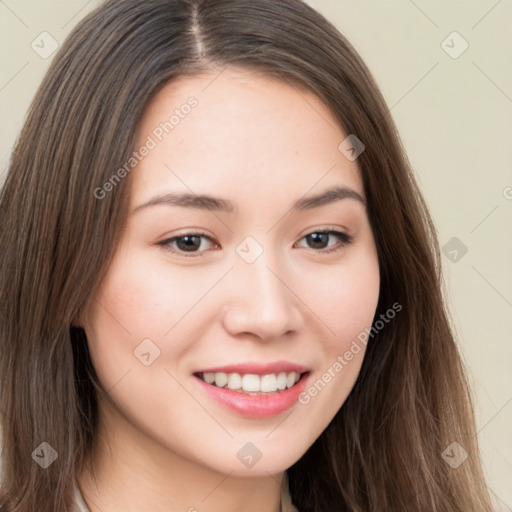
(344, 238)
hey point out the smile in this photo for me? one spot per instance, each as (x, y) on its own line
(252, 395)
(250, 383)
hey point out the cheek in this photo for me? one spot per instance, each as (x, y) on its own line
(122, 315)
(345, 300)
(141, 298)
(344, 296)
(144, 299)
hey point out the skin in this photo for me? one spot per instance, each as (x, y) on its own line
(162, 443)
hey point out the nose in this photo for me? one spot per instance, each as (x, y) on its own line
(261, 301)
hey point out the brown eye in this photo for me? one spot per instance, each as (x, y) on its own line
(190, 244)
(187, 243)
(320, 240)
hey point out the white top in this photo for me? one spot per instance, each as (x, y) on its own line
(286, 501)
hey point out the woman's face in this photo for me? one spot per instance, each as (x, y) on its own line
(241, 283)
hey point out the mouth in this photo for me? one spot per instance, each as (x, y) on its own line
(251, 383)
(254, 390)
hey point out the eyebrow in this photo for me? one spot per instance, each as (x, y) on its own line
(216, 204)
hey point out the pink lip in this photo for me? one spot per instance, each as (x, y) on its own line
(257, 369)
(255, 406)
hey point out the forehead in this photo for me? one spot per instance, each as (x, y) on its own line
(244, 131)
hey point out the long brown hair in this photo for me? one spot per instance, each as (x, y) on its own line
(383, 449)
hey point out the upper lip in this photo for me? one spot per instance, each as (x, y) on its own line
(257, 368)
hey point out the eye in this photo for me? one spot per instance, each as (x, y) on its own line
(187, 243)
(191, 243)
(320, 238)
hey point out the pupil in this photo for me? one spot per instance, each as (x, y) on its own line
(190, 242)
(319, 238)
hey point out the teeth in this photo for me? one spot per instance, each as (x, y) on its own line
(221, 379)
(209, 378)
(234, 380)
(281, 381)
(252, 383)
(268, 383)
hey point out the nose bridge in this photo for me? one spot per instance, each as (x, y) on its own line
(263, 283)
(261, 301)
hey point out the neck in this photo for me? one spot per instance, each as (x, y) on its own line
(130, 471)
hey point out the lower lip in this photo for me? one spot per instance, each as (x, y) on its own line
(256, 406)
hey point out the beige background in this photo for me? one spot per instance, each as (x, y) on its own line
(454, 115)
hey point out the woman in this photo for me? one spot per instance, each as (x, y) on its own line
(220, 285)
